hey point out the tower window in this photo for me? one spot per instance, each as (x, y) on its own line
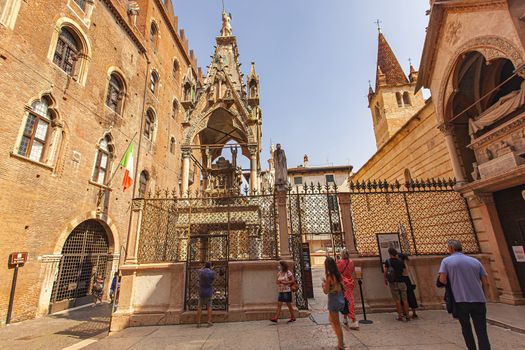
(377, 113)
(153, 35)
(172, 145)
(143, 183)
(154, 82)
(406, 99)
(399, 99)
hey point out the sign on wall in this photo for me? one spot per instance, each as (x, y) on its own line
(519, 253)
(384, 242)
(18, 258)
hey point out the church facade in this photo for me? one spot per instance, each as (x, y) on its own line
(81, 82)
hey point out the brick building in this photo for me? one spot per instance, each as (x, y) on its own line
(80, 80)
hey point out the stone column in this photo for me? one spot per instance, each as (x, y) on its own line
(186, 155)
(346, 219)
(49, 271)
(253, 168)
(137, 208)
(448, 131)
(284, 244)
(508, 280)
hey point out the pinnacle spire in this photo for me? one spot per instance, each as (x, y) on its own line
(388, 65)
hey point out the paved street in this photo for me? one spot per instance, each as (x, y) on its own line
(86, 329)
(434, 330)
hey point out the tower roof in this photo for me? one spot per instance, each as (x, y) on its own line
(388, 65)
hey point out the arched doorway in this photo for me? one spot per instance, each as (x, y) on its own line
(85, 254)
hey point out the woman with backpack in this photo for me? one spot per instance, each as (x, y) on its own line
(333, 287)
(346, 268)
(285, 280)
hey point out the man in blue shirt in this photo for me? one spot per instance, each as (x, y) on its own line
(468, 280)
(206, 278)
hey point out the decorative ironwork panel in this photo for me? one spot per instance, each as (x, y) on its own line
(426, 213)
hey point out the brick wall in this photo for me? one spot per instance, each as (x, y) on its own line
(40, 205)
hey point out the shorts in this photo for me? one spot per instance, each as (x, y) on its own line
(204, 301)
(285, 297)
(398, 291)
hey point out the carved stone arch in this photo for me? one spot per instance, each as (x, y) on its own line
(202, 121)
(491, 47)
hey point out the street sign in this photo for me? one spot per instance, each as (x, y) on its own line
(18, 258)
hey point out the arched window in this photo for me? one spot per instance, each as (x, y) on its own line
(115, 96)
(154, 82)
(67, 51)
(153, 35)
(35, 137)
(175, 69)
(103, 161)
(187, 92)
(377, 113)
(399, 99)
(175, 109)
(406, 99)
(143, 183)
(172, 145)
(149, 124)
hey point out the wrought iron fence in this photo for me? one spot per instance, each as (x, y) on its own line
(426, 213)
(248, 224)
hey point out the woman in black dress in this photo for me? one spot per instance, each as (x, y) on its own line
(411, 296)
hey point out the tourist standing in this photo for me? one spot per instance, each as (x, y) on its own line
(333, 287)
(468, 281)
(98, 289)
(113, 290)
(394, 270)
(411, 287)
(206, 278)
(284, 281)
(346, 269)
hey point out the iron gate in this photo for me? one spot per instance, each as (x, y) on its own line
(213, 248)
(84, 255)
(313, 214)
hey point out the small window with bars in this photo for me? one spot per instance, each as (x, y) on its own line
(149, 124)
(298, 180)
(330, 179)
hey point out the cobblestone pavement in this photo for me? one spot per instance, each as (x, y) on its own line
(57, 331)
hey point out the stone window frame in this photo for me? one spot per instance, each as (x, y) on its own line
(176, 69)
(54, 137)
(115, 71)
(84, 56)
(154, 38)
(110, 154)
(9, 13)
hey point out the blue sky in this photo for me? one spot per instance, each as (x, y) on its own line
(314, 59)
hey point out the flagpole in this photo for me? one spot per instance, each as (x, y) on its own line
(120, 161)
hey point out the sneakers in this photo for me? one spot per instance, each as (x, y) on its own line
(273, 319)
(291, 320)
(354, 325)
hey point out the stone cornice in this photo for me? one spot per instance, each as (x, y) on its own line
(121, 20)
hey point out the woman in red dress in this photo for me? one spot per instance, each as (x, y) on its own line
(346, 267)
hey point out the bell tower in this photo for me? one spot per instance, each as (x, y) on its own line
(393, 102)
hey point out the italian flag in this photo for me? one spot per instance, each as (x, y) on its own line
(127, 164)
